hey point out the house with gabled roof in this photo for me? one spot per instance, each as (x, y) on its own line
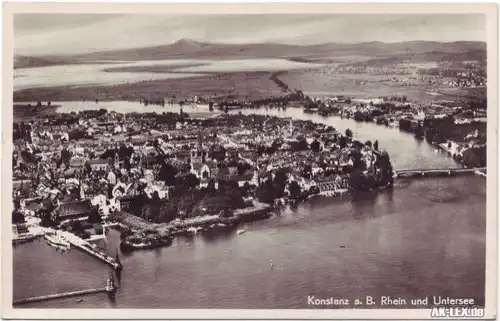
(72, 210)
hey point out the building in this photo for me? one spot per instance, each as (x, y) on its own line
(33, 209)
(98, 164)
(73, 210)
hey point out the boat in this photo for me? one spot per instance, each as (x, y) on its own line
(129, 244)
(240, 232)
(79, 300)
(55, 239)
(194, 230)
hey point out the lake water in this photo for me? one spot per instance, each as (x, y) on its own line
(95, 74)
(424, 237)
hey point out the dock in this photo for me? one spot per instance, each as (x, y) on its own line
(436, 172)
(86, 247)
(19, 239)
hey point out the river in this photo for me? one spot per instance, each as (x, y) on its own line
(424, 237)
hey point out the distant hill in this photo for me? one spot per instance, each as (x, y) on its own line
(30, 62)
(190, 49)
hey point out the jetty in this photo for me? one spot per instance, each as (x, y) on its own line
(24, 238)
(92, 250)
(110, 288)
(435, 172)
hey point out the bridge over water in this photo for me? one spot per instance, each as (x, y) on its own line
(433, 172)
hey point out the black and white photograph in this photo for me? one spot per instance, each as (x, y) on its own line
(243, 160)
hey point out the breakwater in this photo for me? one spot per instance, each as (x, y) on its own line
(110, 288)
(59, 296)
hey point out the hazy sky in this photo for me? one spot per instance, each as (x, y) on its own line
(72, 33)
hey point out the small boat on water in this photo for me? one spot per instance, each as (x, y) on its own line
(194, 230)
(240, 232)
(56, 240)
(79, 300)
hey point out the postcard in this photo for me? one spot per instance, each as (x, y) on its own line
(249, 160)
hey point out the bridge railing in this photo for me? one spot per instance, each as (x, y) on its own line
(462, 169)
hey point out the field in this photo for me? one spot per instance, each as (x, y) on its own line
(245, 85)
(187, 68)
(318, 83)
(251, 85)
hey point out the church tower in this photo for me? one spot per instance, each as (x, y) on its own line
(197, 153)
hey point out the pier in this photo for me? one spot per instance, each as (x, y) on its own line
(86, 247)
(109, 288)
(434, 172)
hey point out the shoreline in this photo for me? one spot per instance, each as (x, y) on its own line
(164, 233)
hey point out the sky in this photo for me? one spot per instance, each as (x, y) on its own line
(45, 34)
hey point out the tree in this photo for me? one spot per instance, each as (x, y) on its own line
(383, 162)
(94, 216)
(218, 152)
(191, 181)
(295, 190)
(155, 206)
(358, 163)
(88, 168)
(211, 190)
(226, 213)
(243, 168)
(342, 142)
(167, 174)
(125, 152)
(315, 146)
(65, 155)
(357, 180)
(348, 133)
(307, 171)
(261, 150)
(265, 192)
(17, 217)
(301, 144)
(126, 164)
(98, 228)
(475, 157)
(77, 227)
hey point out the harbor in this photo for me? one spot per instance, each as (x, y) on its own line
(92, 250)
